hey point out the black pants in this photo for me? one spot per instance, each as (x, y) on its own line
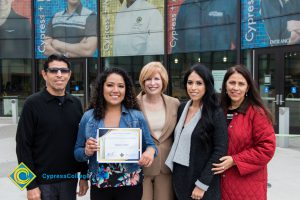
(117, 193)
(65, 190)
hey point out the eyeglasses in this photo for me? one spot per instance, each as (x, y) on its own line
(54, 70)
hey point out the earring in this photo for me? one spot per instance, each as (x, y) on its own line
(246, 94)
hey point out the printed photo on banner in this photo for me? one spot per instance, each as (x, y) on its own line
(132, 27)
(197, 25)
(67, 27)
(15, 29)
(270, 23)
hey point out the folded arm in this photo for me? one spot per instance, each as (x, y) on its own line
(85, 48)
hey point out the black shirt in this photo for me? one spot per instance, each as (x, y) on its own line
(15, 37)
(229, 115)
(205, 25)
(46, 136)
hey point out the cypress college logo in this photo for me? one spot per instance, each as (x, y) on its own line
(21, 176)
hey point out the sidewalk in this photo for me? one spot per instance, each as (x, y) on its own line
(284, 169)
(8, 162)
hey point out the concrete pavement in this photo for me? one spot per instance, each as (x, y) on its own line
(284, 169)
(8, 162)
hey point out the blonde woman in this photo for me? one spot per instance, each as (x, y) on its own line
(160, 111)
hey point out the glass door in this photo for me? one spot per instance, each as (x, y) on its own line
(77, 83)
(278, 76)
(291, 88)
(268, 70)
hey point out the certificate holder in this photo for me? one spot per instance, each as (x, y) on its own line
(119, 145)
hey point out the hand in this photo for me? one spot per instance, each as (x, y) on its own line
(147, 157)
(58, 45)
(34, 194)
(197, 193)
(293, 26)
(49, 49)
(295, 37)
(226, 163)
(83, 187)
(91, 146)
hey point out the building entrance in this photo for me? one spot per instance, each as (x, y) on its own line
(277, 71)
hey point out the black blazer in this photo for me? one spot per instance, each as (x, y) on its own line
(201, 158)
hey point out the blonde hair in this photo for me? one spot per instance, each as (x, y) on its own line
(149, 70)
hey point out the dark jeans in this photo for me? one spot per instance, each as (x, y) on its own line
(65, 190)
(117, 193)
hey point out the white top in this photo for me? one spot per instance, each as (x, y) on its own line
(138, 30)
(180, 151)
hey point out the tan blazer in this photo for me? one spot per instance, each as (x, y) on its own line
(165, 141)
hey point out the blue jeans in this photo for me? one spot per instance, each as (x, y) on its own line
(65, 190)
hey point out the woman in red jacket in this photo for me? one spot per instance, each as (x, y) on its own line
(251, 138)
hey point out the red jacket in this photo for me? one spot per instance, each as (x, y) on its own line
(251, 143)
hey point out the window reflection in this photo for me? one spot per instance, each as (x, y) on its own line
(179, 63)
(291, 88)
(15, 76)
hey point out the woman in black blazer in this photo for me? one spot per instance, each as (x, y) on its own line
(200, 139)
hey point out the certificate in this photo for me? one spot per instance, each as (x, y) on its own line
(119, 145)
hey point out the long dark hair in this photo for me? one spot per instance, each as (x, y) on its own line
(252, 98)
(209, 102)
(98, 103)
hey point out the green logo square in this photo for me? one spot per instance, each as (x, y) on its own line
(21, 176)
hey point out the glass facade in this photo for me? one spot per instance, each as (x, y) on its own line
(97, 34)
(15, 82)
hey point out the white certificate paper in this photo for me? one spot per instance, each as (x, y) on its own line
(119, 145)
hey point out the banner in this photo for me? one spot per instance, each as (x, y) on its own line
(66, 27)
(197, 25)
(133, 28)
(173, 8)
(270, 23)
(15, 31)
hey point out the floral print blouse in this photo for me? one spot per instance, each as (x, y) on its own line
(114, 175)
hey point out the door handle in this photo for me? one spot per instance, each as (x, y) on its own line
(277, 99)
(280, 100)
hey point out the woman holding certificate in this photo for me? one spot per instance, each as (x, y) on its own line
(113, 105)
(200, 139)
(161, 113)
